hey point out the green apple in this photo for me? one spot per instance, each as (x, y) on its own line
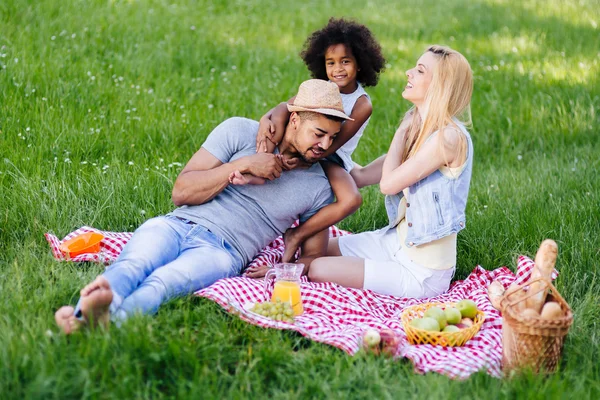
(438, 314)
(428, 324)
(467, 308)
(451, 328)
(453, 315)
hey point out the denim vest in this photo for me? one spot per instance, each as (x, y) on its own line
(436, 206)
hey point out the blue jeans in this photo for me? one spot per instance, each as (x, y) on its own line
(166, 257)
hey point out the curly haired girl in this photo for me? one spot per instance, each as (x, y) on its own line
(346, 53)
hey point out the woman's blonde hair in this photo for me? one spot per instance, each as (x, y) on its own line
(448, 97)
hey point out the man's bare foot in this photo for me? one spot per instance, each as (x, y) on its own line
(95, 301)
(66, 321)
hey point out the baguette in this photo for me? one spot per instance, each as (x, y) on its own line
(545, 259)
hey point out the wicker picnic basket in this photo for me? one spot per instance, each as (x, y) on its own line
(421, 336)
(530, 341)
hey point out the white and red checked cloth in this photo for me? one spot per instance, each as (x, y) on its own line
(338, 316)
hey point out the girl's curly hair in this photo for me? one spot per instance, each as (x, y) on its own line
(356, 37)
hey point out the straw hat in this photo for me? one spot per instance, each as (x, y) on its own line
(319, 96)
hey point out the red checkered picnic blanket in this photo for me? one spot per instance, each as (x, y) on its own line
(339, 316)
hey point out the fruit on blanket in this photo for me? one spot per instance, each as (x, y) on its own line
(390, 341)
(551, 310)
(371, 339)
(453, 315)
(467, 322)
(278, 311)
(451, 328)
(467, 308)
(438, 314)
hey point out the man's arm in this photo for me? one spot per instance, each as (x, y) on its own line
(313, 247)
(204, 176)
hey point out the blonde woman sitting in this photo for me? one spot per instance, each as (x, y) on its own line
(426, 176)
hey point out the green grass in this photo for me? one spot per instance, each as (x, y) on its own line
(108, 96)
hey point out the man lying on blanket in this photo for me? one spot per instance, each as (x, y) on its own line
(218, 227)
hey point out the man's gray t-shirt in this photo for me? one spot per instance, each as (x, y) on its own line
(251, 216)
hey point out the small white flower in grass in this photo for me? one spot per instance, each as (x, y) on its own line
(193, 27)
(67, 160)
(485, 206)
(146, 169)
(130, 163)
(84, 162)
(27, 129)
(514, 50)
(162, 160)
(233, 67)
(143, 212)
(73, 36)
(573, 169)
(44, 99)
(150, 91)
(519, 157)
(16, 60)
(127, 111)
(492, 185)
(212, 70)
(53, 38)
(105, 167)
(93, 78)
(49, 333)
(210, 106)
(134, 109)
(182, 106)
(89, 110)
(89, 73)
(94, 164)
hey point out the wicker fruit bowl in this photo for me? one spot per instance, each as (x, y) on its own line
(451, 339)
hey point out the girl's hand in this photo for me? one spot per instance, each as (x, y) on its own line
(266, 132)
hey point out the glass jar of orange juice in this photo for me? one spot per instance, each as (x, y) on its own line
(287, 285)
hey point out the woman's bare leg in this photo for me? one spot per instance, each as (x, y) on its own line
(345, 271)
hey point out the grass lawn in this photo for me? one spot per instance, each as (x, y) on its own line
(102, 102)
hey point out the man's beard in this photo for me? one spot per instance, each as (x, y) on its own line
(308, 160)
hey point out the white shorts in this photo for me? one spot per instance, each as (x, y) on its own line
(388, 270)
